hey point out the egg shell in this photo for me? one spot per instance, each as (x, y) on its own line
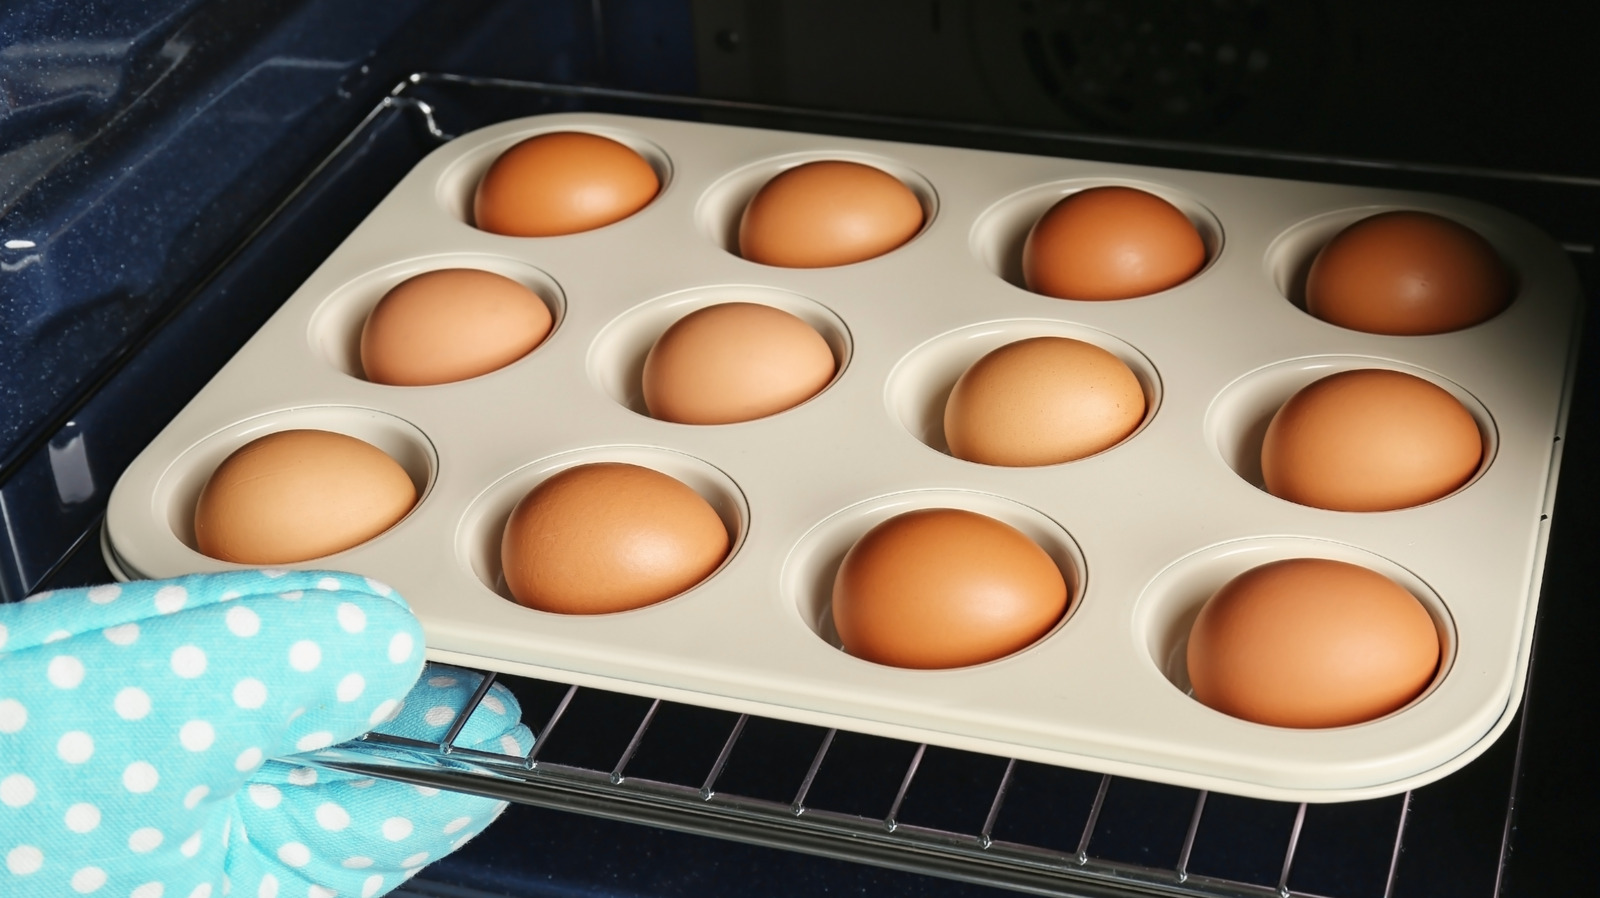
(607, 536)
(296, 495)
(1042, 401)
(1311, 643)
(449, 325)
(1370, 440)
(562, 182)
(1407, 273)
(944, 587)
(734, 361)
(1111, 242)
(826, 213)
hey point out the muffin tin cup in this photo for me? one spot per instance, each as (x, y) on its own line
(1142, 529)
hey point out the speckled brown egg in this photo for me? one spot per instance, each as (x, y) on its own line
(1310, 642)
(1111, 242)
(945, 587)
(450, 324)
(563, 182)
(826, 213)
(1042, 401)
(607, 536)
(1407, 273)
(296, 495)
(1370, 440)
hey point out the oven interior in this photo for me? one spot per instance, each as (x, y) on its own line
(173, 170)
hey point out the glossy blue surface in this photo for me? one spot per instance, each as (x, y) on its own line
(141, 140)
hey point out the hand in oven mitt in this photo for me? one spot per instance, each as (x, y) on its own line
(138, 723)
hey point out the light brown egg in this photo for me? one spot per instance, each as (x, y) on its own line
(1370, 440)
(1407, 273)
(1042, 401)
(735, 361)
(1110, 243)
(296, 495)
(607, 537)
(450, 324)
(563, 182)
(827, 213)
(1309, 642)
(944, 587)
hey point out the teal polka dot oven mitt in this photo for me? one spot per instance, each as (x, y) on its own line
(148, 733)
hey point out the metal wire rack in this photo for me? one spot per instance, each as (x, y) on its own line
(999, 821)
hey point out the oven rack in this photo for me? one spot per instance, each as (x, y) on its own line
(659, 763)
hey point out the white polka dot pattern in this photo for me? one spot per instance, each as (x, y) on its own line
(243, 622)
(17, 790)
(297, 661)
(83, 817)
(132, 703)
(250, 693)
(171, 599)
(75, 747)
(13, 716)
(87, 879)
(65, 672)
(144, 839)
(140, 777)
(24, 860)
(197, 735)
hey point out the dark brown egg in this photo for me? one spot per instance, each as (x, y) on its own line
(827, 213)
(944, 587)
(1407, 273)
(734, 361)
(562, 183)
(296, 495)
(1309, 642)
(1110, 243)
(607, 537)
(1370, 440)
(451, 324)
(1042, 401)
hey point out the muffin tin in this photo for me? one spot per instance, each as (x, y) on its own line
(1145, 531)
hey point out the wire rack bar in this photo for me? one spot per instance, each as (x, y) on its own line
(798, 806)
(986, 835)
(1182, 867)
(1288, 854)
(889, 820)
(1094, 817)
(1399, 837)
(708, 788)
(633, 743)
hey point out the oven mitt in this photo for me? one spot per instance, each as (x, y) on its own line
(138, 723)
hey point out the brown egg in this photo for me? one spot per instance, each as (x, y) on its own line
(1042, 401)
(1370, 440)
(736, 361)
(449, 325)
(1407, 273)
(296, 495)
(562, 183)
(607, 537)
(1110, 243)
(943, 587)
(1309, 642)
(827, 213)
